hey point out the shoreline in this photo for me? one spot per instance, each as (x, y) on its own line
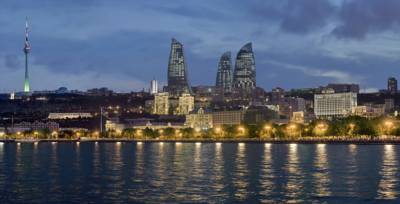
(358, 141)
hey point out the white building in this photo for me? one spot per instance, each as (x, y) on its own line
(59, 116)
(334, 104)
(153, 87)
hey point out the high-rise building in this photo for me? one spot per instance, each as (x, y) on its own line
(177, 74)
(153, 87)
(161, 104)
(392, 85)
(244, 77)
(186, 104)
(224, 74)
(27, 49)
(334, 105)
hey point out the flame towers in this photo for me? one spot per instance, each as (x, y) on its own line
(224, 74)
(244, 78)
(177, 73)
(27, 49)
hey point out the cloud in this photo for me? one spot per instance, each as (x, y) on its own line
(12, 61)
(361, 17)
(303, 16)
(87, 41)
(336, 75)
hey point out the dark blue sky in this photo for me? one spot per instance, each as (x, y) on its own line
(82, 44)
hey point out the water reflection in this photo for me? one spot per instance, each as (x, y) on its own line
(267, 173)
(196, 173)
(295, 175)
(389, 181)
(321, 176)
(241, 173)
(351, 169)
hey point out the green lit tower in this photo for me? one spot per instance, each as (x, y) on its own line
(27, 49)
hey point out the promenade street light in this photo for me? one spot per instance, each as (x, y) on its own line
(241, 130)
(218, 131)
(292, 129)
(268, 129)
(352, 126)
(389, 125)
(321, 128)
(96, 134)
(54, 134)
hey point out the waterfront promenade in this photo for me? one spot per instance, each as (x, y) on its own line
(300, 140)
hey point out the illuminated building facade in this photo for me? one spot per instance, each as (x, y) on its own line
(224, 74)
(199, 120)
(244, 77)
(185, 105)
(177, 74)
(161, 104)
(334, 105)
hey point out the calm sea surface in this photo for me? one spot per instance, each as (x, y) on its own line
(197, 172)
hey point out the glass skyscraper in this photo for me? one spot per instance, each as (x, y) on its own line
(177, 75)
(244, 77)
(224, 74)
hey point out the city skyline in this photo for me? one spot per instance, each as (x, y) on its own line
(81, 53)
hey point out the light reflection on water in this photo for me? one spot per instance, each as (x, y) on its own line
(267, 174)
(240, 173)
(321, 177)
(197, 172)
(295, 175)
(389, 181)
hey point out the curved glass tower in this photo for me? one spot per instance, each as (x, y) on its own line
(244, 77)
(224, 74)
(177, 74)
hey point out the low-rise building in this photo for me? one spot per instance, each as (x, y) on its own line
(334, 104)
(161, 103)
(298, 117)
(233, 117)
(369, 111)
(199, 119)
(185, 104)
(60, 116)
(27, 126)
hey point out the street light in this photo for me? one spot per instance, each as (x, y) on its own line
(321, 128)
(268, 128)
(352, 126)
(241, 130)
(388, 125)
(291, 129)
(218, 130)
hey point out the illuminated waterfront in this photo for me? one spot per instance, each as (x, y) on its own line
(197, 172)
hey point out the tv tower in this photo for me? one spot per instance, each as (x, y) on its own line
(27, 49)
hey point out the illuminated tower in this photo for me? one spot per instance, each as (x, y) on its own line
(244, 77)
(224, 74)
(177, 73)
(27, 49)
